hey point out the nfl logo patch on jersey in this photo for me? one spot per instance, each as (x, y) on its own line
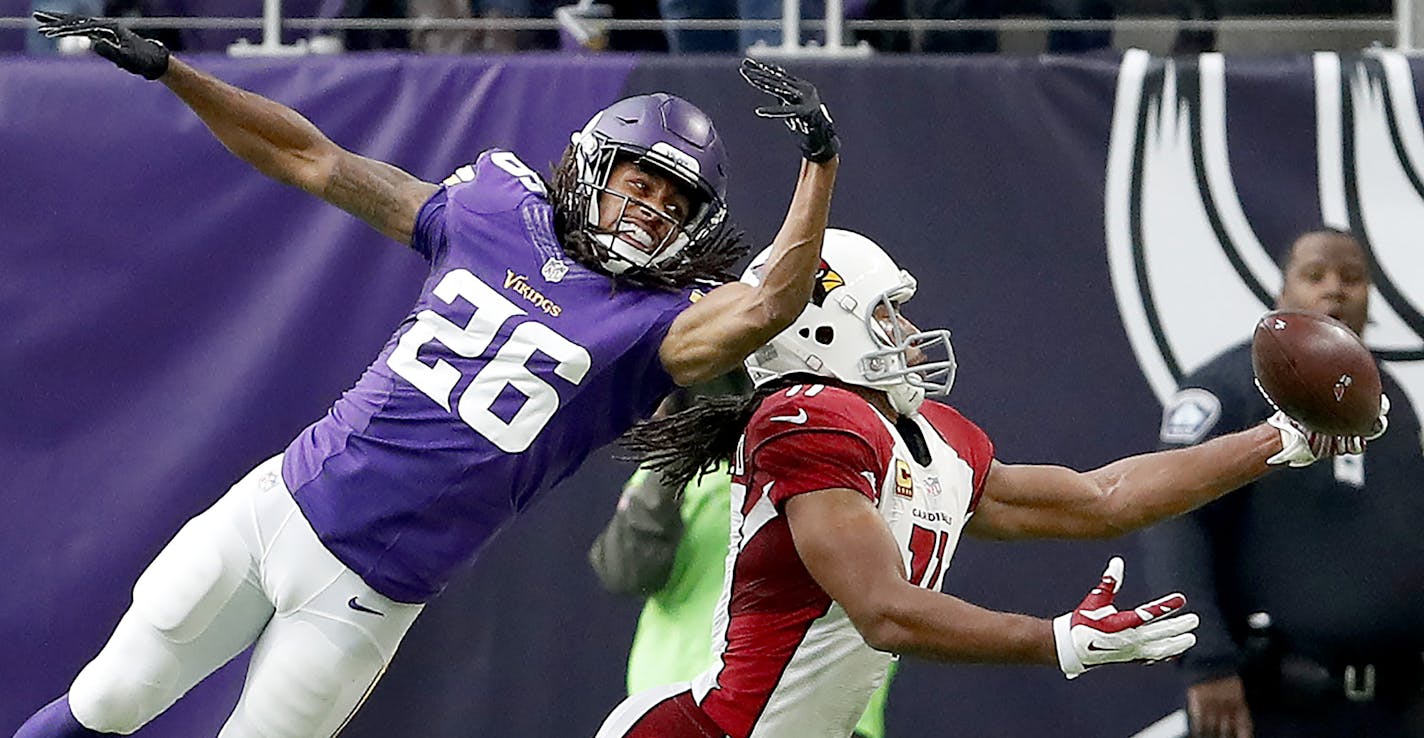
(554, 270)
(904, 481)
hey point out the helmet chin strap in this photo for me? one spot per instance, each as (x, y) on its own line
(906, 398)
(616, 262)
(620, 256)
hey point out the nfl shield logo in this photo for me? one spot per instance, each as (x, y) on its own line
(554, 270)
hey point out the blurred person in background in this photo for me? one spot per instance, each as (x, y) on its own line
(481, 40)
(707, 40)
(987, 42)
(1309, 582)
(375, 39)
(671, 548)
(555, 314)
(449, 40)
(699, 40)
(850, 493)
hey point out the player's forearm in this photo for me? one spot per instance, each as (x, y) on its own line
(796, 252)
(1140, 490)
(634, 554)
(629, 561)
(943, 628)
(270, 136)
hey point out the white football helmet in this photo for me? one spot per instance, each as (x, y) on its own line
(839, 334)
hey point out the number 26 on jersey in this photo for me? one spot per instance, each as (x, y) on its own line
(507, 368)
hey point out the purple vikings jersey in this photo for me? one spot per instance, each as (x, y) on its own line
(514, 365)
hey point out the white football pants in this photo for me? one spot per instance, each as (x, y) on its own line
(249, 569)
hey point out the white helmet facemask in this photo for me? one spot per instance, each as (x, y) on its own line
(852, 329)
(907, 366)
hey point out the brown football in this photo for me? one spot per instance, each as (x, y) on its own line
(1317, 370)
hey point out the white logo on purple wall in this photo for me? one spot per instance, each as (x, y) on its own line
(1190, 274)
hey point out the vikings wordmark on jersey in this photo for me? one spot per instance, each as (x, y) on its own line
(502, 379)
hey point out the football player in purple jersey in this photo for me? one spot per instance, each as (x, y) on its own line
(517, 361)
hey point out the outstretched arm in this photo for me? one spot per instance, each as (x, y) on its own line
(285, 146)
(272, 137)
(718, 332)
(715, 334)
(1030, 501)
(636, 550)
(849, 551)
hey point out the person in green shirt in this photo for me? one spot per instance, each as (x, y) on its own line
(672, 550)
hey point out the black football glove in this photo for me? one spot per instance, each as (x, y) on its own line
(145, 57)
(800, 107)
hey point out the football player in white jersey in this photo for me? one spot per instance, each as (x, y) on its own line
(850, 492)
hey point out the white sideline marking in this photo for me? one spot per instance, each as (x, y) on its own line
(1174, 725)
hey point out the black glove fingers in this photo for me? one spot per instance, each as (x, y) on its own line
(50, 29)
(782, 79)
(769, 83)
(771, 86)
(64, 31)
(52, 23)
(755, 65)
(751, 74)
(49, 16)
(90, 31)
(768, 71)
(59, 25)
(800, 109)
(73, 25)
(775, 82)
(803, 88)
(775, 113)
(776, 89)
(112, 41)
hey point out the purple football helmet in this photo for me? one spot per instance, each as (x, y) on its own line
(675, 139)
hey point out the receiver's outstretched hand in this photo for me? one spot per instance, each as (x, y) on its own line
(1301, 446)
(1096, 632)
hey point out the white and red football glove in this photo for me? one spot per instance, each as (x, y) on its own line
(1301, 446)
(1097, 633)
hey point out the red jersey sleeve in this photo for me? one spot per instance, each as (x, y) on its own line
(813, 460)
(967, 439)
(813, 437)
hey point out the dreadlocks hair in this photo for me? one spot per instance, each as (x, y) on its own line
(689, 443)
(703, 261)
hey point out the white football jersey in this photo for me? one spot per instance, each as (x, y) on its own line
(789, 660)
